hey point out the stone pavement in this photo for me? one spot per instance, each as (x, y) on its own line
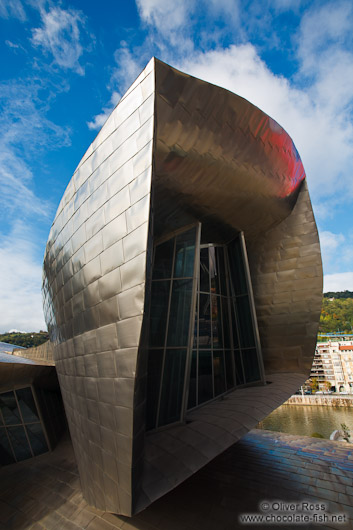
(263, 467)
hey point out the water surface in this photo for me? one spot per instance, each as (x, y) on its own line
(305, 420)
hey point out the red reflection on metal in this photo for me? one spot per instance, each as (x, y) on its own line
(285, 158)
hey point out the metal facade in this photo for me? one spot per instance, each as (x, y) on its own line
(175, 151)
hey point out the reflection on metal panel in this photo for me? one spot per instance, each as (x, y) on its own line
(219, 161)
(286, 272)
(102, 223)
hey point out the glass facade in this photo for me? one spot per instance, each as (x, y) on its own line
(170, 315)
(21, 431)
(225, 352)
(220, 351)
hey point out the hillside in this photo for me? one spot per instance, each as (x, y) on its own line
(27, 340)
(337, 313)
(338, 294)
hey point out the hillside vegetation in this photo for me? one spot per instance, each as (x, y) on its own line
(27, 340)
(337, 313)
(341, 294)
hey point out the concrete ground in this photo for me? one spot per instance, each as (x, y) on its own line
(273, 475)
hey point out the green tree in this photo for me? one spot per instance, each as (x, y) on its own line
(327, 385)
(314, 385)
(336, 315)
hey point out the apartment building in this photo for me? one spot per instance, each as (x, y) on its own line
(333, 366)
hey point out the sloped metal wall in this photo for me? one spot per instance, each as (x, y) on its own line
(286, 273)
(94, 288)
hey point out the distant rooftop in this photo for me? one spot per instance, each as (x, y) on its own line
(7, 357)
(5, 347)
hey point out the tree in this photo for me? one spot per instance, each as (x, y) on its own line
(336, 314)
(314, 385)
(327, 385)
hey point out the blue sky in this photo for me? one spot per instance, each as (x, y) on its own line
(66, 64)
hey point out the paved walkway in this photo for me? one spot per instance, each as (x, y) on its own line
(262, 474)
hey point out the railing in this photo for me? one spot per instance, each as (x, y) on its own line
(322, 399)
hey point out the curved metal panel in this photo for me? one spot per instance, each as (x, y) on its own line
(94, 278)
(219, 158)
(286, 272)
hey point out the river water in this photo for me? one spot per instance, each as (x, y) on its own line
(305, 420)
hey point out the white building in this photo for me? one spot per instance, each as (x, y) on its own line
(333, 366)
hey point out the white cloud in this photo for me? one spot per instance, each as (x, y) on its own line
(325, 45)
(20, 272)
(12, 9)
(14, 46)
(321, 29)
(168, 16)
(165, 15)
(228, 7)
(24, 132)
(127, 69)
(338, 282)
(181, 24)
(337, 252)
(99, 120)
(333, 250)
(330, 242)
(60, 36)
(286, 5)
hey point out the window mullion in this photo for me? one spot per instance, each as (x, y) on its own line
(252, 307)
(166, 336)
(226, 268)
(191, 323)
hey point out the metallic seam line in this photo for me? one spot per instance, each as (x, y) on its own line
(237, 325)
(8, 437)
(210, 298)
(188, 358)
(22, 422)
(166, 335)
(230, 304)
(34, 394)
(252, 308)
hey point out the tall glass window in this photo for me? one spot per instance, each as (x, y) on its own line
(220, 351)
(170, 315)
(21, 432)
(225, 351)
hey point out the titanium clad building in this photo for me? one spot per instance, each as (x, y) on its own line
(182, 285)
